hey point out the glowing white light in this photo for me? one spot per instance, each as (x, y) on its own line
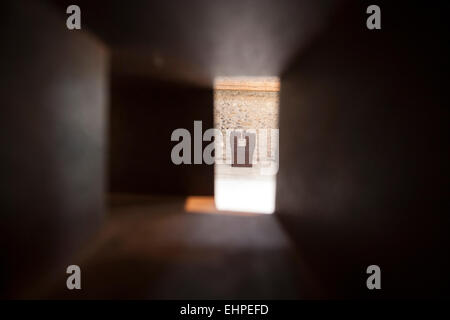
(247, 194)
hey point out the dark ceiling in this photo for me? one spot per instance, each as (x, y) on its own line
(195, 40)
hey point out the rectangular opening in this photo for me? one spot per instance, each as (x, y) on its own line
(246, 113)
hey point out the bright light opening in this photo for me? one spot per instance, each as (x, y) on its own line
(246, 112)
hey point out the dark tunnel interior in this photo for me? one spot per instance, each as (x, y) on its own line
(86, 171)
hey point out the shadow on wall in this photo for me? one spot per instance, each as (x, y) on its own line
(363, 158)
(144, 113)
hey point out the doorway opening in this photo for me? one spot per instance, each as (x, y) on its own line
(246, 113)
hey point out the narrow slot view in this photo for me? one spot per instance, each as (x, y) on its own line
(246, 113)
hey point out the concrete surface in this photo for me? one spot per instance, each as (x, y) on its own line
(151, 248)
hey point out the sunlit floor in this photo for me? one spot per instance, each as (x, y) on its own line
(207, 205)
(152, 248)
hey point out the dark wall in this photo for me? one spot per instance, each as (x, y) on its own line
(52, 138)
(364, 153)
(205, 38)
(144, 113)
